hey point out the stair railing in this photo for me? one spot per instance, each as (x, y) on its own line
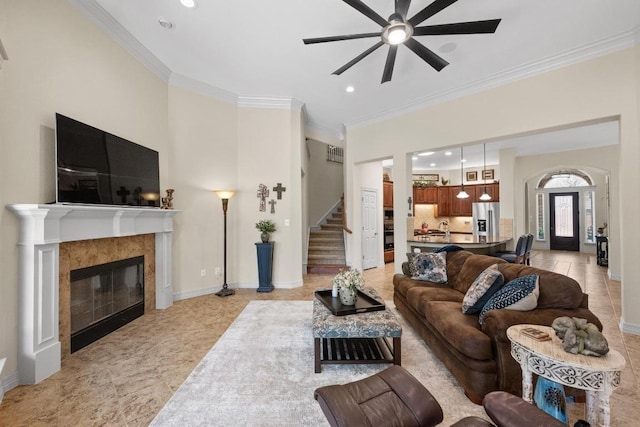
(344, 216)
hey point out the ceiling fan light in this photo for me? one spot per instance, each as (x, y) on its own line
(397, 32)
(397, 35)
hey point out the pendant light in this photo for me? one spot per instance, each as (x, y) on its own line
(485, 197)
(462, 194)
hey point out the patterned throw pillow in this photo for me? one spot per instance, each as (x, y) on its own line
(411, 271)
(486, 284)
(520, 294)
(431, 267)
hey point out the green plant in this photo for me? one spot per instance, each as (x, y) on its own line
(350, 279)
(266, 226)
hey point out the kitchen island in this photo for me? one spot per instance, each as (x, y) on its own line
(470, 242)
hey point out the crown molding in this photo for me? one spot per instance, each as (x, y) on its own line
(270, 102)
(117, 32)
(602, 47)
(201, 88)
(329, 132)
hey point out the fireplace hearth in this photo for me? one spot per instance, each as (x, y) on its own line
(104, 298)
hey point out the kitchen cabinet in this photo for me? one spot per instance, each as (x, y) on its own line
(493, 190)
(444, 201)
(387, 194)
(428, 195)
(463, 207)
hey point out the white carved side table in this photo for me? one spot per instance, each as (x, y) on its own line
(598, 376)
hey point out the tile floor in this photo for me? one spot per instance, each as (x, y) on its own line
(127, 377)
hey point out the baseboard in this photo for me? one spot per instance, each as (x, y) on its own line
(243, 285)
(177, 296)
(9, 382)
(629, 328)
(613, 276)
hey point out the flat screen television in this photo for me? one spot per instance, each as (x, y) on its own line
(96, 167)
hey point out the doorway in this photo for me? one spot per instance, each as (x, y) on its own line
(369, 228)
(564, 222)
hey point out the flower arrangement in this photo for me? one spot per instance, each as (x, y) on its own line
(349, 280)
(266, 226)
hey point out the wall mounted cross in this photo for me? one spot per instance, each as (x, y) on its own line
(273, 205)
(263, 193)
(123, 193)
(279, 189)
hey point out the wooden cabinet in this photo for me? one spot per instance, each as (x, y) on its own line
(387, 194)
(463, 207)
(428, 195)
(444, 201)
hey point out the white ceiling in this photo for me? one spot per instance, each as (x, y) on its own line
(253, 48)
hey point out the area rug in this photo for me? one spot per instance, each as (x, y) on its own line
(261, 373)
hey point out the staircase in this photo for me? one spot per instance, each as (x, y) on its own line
(326, 247)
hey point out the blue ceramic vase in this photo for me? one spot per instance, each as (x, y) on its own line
(549, 396)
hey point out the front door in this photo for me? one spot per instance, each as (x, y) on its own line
(369, 229)
(565, 222)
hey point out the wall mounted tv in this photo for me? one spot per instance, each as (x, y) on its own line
(96, 167)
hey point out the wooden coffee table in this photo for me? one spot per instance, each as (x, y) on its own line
(355, 338)
(598, 376)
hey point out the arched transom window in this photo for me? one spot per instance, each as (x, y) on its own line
(565, 178)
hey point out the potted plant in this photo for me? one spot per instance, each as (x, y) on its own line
(348, 283)
(266, 226)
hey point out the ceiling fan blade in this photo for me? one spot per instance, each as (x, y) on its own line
(338, 38)
(475, 27)
(388, 66)
(357, 59)
(430, 10)
(423, 52)
(367, 11)
(402, 7)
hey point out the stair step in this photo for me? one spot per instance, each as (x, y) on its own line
(331, 269)
(325, 259)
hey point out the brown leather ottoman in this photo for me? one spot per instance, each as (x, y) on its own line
(391, 397)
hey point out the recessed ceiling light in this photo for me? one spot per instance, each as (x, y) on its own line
(189, 3)
(432, 164)
(426, 153)
(165, 23)
(350, 89)
(447, 153)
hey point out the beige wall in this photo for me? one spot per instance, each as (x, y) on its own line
(593, 90)
(61, 62)
(326, 182)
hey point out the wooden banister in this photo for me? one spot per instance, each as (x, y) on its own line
(344, 215)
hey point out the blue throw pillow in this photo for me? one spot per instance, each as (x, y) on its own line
(430, 267)
(482, 289)
(520, 294)
(448, 248)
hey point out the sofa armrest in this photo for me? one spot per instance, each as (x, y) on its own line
(496, 322)
(508, 410)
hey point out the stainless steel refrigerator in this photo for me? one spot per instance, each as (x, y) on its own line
(486, 219)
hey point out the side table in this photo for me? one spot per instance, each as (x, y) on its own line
(598, 376)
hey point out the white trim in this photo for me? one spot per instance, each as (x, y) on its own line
(3, 57)
(602, 47)
(201, 88)
(197, 293)
(8, 383)
(95, 12)
(629, 328)
(325, 130)
(270, 102)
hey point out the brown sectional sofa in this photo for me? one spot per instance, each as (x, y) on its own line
(479, 356)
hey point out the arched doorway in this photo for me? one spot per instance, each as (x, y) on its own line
(566, 191)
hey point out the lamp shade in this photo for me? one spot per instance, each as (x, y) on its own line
(224, 194)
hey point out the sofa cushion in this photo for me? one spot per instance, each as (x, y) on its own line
(419, 296)
(473, 266)
(520, 294)
(461, 331)
(431, 267)
(486, 284)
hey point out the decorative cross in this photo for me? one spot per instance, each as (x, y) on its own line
(279, 189)
(263, 193)
(123, 193)
(273, 205)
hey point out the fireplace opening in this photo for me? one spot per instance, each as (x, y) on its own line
(104, 298)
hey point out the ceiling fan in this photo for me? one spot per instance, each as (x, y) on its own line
(399, 30)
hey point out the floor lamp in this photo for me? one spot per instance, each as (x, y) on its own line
(225, 195)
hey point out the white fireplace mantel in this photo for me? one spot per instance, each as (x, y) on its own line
(42, 229)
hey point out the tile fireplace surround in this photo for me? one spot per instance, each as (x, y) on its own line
(42, 229)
